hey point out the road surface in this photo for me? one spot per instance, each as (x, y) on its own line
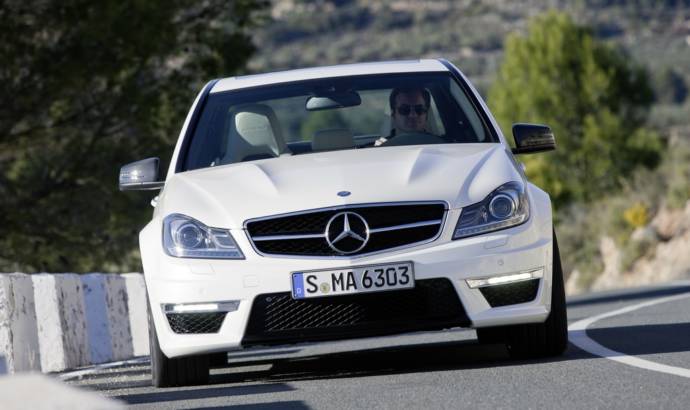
(629, 349)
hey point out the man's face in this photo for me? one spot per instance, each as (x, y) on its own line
(410, 113)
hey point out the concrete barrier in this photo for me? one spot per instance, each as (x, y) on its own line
(18, 332)
(98, 328)
(61, 321)
(136, 305)
(53, 322)
(118, 317)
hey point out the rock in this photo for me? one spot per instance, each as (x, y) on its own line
(611, 256)
(671, 261)
(671, 222)
(644, 234)
(572, 286)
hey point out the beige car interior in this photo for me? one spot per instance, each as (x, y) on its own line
(254, 133)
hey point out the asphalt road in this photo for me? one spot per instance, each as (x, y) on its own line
(645, 364)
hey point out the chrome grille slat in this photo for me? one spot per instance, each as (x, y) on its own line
(286, 237)
(406, 226)
(391, 226)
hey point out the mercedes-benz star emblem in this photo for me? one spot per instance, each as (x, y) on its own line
(347, 232)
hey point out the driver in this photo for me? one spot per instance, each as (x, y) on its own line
(409, 108)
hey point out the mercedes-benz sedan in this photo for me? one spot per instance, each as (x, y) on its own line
(342, 202)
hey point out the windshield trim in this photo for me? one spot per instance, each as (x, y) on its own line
(192, 126)
(455, 73)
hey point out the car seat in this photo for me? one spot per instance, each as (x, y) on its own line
(254, 133)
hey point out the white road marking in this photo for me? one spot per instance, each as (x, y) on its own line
(78, 374)
(577, 334)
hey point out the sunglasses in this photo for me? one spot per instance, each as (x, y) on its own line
(406, 109)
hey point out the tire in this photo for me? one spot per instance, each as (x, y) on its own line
(539, 339)
(183, 371)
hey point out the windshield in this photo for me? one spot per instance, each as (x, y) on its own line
(367, 112)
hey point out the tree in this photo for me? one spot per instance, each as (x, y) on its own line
(670, 87)
(84, 88)
(591, 95)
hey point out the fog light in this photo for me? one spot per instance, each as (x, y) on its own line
(503, 279)
(227, 306)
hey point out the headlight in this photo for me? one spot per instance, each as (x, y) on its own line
(505, 207)
(184, 237)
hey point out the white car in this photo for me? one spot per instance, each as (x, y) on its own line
(340, 202)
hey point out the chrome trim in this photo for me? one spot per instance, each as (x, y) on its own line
(321, 235)
(339, 207)
(534, 274)
(407, 226)
(347, 231)
(287, 237)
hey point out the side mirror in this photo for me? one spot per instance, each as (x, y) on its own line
(533, 138)
(140, 176)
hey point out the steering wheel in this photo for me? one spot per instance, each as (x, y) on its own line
(414, 138)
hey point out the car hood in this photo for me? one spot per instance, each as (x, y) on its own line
(226, 196)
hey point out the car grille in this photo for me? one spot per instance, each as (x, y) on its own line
(511, 293)
(278, 318)
(390, 226)
(196, 322)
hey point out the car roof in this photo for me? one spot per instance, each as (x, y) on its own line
(343, 70)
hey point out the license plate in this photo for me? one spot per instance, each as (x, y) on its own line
(353, 279)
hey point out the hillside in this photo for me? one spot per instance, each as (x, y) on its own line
(471, 33)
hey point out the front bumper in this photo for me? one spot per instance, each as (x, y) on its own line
(182, 281)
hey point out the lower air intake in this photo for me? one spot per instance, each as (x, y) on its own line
(278, 318)
(189, 323)
(511, 293)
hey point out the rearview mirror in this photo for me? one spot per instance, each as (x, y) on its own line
(533, 138)
(140, 176)
(333, 100)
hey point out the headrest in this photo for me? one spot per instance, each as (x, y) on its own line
(332, 139)
(254, 133)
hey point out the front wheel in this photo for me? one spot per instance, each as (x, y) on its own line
(539, 339)
(183, 371)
